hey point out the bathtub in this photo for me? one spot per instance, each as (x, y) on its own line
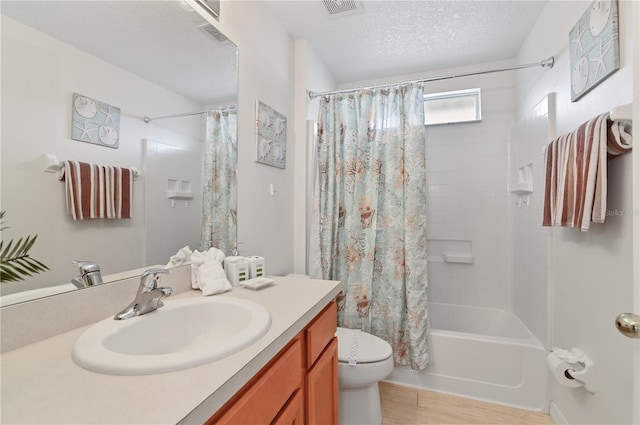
(484, 354)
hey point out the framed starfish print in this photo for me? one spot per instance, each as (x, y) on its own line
(95, 122)
(271, 136)
(594, 47)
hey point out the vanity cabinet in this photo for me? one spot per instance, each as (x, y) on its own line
(322, 387)
(321, 380)
(293, 412)
(298, 386)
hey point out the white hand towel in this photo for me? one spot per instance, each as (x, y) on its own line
(97, 191)
(212, 279)
(181, 257)
(207, 279)
(197, 259)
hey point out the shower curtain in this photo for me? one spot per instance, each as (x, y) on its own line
(219, 205)
(369, 219)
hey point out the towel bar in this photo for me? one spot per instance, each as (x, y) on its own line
(621, 113)
(52, 165)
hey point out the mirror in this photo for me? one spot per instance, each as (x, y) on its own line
(147, 58)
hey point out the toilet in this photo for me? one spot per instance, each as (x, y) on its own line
(359, 401)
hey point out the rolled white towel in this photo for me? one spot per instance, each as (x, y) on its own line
(212, 279)
(181, 257)
(198, 259)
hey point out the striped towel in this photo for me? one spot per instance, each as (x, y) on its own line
(97, 191)
(576, 173)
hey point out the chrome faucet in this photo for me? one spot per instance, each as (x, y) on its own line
(89, 274)
(148, 297)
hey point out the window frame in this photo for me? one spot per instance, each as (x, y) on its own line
(473, 93)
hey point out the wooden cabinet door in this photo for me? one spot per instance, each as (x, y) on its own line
(293, 412)
(322, 388)
(320, 332)
(264, 398)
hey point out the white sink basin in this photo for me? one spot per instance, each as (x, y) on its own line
(182, 334)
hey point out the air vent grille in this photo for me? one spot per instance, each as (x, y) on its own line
(336, 7)
(213, 32)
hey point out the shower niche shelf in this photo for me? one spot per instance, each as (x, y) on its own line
(452, 251)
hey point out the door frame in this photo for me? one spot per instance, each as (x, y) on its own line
(636, 206)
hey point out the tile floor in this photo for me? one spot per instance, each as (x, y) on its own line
(405, 406)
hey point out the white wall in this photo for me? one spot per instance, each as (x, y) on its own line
(591, 272)
(266, 63)
(172, 223)
(530, 295)
(310, 75)
(39, 75)
(467, 202)
(467, 177)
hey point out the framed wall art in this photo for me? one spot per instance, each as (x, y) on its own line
(271, 136)
(95, 122)
(594, 47)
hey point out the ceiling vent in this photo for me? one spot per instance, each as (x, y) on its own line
(213, 32)
(337, 8)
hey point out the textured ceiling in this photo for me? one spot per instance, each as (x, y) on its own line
(401, 37)
(157, 40)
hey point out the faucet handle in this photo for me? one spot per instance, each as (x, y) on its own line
(89, 274)
(86, 266)
(148, 278)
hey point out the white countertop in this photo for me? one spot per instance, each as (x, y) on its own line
(41, 383)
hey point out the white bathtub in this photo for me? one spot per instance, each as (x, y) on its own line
(484, 354)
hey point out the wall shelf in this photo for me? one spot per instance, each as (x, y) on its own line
(180, 195)
(179, 189)
(521, 188)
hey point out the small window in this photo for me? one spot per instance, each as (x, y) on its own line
(452, 107)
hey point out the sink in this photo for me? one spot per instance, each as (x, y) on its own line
(183, 334)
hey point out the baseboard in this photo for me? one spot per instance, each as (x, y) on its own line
(556, 415)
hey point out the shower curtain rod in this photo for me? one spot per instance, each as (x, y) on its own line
(225, 109)
(546, 63)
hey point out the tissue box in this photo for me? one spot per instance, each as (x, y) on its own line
(256, 266)
(236, 269)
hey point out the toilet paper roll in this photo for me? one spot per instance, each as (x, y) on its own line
(558, 368)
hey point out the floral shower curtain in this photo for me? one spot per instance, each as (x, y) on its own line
(219, 205)
(369, 226)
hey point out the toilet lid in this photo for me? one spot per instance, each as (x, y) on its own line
(370, 348)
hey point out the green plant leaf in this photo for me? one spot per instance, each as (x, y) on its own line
(32, 265)
(29, 243)
(15, 262)
(2, 227)
(16, 248)
(5, 253)
(8, 275)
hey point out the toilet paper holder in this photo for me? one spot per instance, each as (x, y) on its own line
(580, 368)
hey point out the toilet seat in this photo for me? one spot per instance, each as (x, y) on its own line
(371, 349)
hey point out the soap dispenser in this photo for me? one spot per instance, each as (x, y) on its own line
(236, 269)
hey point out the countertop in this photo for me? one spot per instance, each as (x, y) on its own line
(42, 384)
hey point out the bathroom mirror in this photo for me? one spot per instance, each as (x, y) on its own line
(146, 58)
